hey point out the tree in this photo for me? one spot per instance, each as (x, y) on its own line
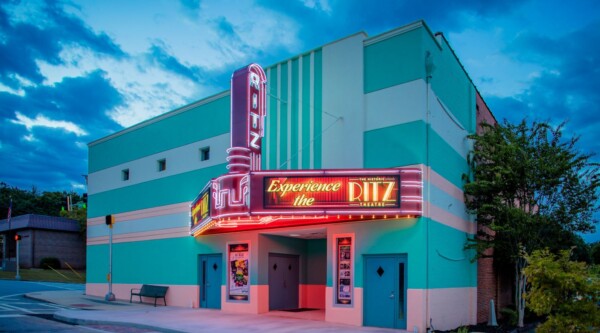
(529, 188)
(564, 290)
(595, 253)
(46, 203)
(79, 214)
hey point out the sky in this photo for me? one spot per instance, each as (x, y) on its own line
(72, 72)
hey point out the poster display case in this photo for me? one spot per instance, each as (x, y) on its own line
(344, 270)
(238, 278)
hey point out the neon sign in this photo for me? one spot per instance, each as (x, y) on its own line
(201, 208)
(247, 197)
(332, 192)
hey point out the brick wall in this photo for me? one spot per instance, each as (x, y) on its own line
(487, 283)
(66, 246)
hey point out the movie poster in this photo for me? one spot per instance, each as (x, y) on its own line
(239, 282)
(344, 271)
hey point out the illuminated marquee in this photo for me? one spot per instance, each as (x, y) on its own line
(201, 208)
(332, 192)
(247, 197)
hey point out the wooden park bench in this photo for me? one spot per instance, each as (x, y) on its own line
(149, 290)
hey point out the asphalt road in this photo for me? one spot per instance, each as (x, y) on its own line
(20, 314)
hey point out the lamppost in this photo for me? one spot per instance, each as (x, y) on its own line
(17, 240)
(110, 220)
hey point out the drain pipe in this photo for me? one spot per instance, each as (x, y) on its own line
(429, 67)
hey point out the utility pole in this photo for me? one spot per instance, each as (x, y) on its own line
(110, 221)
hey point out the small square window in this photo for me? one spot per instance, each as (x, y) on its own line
(125, 174)
(162, 165)
(204, 153)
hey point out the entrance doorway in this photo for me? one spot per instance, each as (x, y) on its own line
(210, 280)
(385, 291)
(284, 281)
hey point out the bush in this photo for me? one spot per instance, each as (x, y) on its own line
(565, 291)
(50, 262)
(510, 316)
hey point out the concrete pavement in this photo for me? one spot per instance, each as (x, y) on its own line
(93, 310)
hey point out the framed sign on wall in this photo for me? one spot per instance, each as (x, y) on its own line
(344, 270)
(238, 277)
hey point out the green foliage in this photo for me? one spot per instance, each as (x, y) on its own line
(565, 291)
(462, 329)
(530, 188)
(50, 262)
(510, 316)
(45, 203)
(595, 252)
(34, 202)
(79, 214)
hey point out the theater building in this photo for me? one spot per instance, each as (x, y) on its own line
(330, 181)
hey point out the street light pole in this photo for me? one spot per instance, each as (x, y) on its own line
(18, 240)
(110, 296)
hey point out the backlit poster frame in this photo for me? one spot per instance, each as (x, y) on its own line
(344, 269)
(238, 271)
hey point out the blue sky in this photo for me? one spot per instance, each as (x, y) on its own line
(74, 71)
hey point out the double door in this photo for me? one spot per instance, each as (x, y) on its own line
(284, 280)
(385, 291)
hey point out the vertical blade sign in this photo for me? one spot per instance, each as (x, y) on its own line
(248, 111)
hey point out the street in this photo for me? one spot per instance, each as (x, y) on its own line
(20, 314)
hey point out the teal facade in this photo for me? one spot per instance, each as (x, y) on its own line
(411, 116)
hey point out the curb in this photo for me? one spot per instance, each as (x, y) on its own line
(79, 321)
(37, 298)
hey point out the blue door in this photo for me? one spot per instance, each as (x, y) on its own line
(385, 291)
(284, 281)
(210, 280)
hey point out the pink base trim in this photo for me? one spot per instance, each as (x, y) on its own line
(258, 301)
(449, 308)
(177, 295)
(349, 315)
(312, 296)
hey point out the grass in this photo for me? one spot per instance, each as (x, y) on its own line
(49, 275)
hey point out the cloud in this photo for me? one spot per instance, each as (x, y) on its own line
(319, 5)
(159, 56)
(43, 131)
(42, 121)
(565, 89)
(30, 34)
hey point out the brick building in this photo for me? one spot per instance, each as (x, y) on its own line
(44, 236)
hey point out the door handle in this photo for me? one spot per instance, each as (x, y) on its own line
(207, 284)
(392, 295)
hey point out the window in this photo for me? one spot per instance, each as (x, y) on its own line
(125, 174)
(162, 165)
(204, 153)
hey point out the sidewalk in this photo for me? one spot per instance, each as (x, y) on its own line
(95, 310)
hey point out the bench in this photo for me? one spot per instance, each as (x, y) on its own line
(149, 290)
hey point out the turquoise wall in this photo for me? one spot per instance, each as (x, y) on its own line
(451, 84)
(289, 87)
(175, 260)
(171, 132)
(163, 261)
(394, 61)
(164, 191)
(405, 144)
(316, 261)
(401, 58)
(408, 236)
